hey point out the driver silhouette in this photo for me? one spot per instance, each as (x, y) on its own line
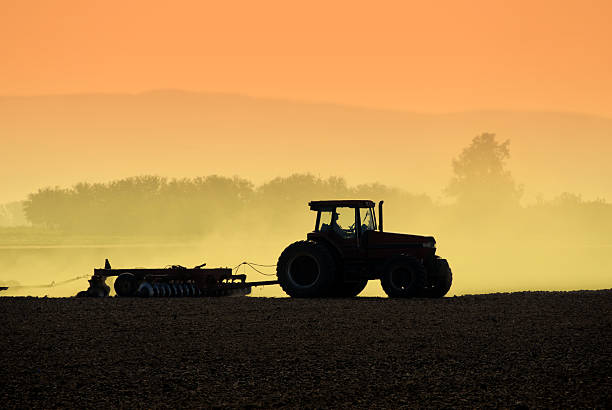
(337, 228)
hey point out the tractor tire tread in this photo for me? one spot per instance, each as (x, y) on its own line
(419, 279)
(327, 270)
(441, 280)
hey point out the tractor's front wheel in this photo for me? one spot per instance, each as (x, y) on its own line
(440, 280)
(404, 278)
(306, 269)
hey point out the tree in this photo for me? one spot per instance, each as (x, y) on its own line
(480, 177)
(48, 207)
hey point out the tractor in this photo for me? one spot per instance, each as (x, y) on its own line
(348, 248)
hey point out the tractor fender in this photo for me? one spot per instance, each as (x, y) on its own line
(331, 247)
(398, 258)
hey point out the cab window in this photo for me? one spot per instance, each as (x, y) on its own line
(341, 221)
(346, 222)
(367, 220)
(325, 222)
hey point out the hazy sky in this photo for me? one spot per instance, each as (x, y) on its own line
(415, 55)
(426, 56)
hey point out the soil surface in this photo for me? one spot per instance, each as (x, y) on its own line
(542, 349)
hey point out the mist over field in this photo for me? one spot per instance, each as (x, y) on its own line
(492, 239)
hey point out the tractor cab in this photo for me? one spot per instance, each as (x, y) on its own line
(351, 227)
(346, 219)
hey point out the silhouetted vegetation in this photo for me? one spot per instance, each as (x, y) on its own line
(151, 204)
(141, 204)
(480, 176)
(486, 199)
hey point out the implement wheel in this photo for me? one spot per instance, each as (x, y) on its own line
(126, 284)
(306, 269)
(404, 277)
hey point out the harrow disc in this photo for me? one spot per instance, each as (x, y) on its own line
(145, 290)
(126, 285)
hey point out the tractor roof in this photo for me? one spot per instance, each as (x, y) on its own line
(351, 203)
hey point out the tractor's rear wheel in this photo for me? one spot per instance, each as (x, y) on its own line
(404, 278)
(439, 280)
(126, 284)
(306, 269)
(343, 289)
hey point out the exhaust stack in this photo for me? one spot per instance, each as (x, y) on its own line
(380, 216)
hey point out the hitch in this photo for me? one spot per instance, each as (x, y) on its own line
(97, 287)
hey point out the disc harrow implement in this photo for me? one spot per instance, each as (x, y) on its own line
(173, 281)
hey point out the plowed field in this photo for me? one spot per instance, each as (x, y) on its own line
(548, 349)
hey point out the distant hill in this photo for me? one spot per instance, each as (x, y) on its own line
(60, 140)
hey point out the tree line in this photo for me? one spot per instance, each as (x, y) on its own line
(153, 204)
(482, 195)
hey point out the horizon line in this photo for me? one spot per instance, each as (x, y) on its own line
(304, 102)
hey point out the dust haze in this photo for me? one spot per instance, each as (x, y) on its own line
(494, 239)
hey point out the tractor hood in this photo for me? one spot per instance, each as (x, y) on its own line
(399, 240)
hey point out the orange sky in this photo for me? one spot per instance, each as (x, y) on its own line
(421, 56)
